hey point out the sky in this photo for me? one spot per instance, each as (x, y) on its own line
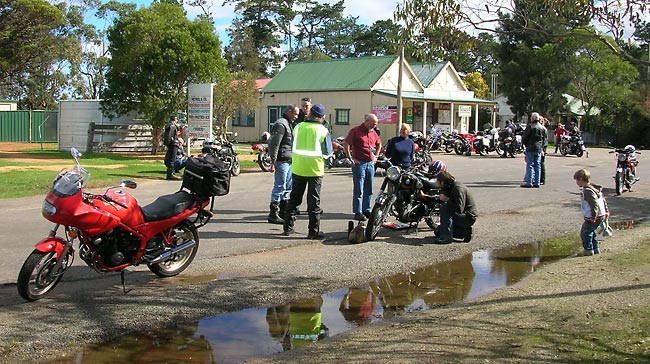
(367, 11)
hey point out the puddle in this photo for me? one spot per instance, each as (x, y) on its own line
(258, 332)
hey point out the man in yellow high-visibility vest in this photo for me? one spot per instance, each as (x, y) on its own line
(311, 146)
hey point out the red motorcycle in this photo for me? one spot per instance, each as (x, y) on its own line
(114, 232)
(263, 156)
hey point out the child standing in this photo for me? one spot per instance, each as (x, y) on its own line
(593, 210)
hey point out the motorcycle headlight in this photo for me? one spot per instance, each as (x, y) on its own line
(48, 209)
(393, 173)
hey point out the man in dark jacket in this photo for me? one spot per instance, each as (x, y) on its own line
(535, 141)
(280, 152)
(172, 147)
(457, 211)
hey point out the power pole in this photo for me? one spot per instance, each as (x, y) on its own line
(398, 125)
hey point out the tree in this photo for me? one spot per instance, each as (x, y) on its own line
(533, 74)
(378, 40)
(35, 40)
(475, 82)
(155, 54)
(601, 80)
(232, 94)
(260, 18)
(570, 19)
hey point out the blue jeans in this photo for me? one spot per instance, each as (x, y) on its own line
(282, 182)
(588, 235)
(447, 221)
(362, 176)
(533, 168)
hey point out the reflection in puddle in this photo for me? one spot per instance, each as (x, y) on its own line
(258, 332)
(627, 225)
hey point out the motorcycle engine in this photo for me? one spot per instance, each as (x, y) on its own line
(116, 246)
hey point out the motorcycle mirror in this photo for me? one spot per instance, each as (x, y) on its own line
(128, 183)
(75, 153)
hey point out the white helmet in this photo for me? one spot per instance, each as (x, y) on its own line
(630, 148)
(454, 132)
(207, 143)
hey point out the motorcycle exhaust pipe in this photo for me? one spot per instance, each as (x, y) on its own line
(168, 254)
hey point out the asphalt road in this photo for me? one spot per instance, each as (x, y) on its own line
(240, 226)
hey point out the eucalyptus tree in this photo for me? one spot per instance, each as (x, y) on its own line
(156, 53)
(258, 21)
(36, 40)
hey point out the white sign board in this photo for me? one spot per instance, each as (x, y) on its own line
(199, 111)
(464, 110)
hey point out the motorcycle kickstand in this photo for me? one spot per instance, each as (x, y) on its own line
(122, 280)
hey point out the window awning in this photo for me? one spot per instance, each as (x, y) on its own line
(420, 96)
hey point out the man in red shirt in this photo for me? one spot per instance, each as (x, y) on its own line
(362, 145)
(559, 131)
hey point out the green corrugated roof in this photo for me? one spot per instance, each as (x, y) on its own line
(330, 75)
(426, 72)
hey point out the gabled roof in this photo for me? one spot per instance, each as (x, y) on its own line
(427, 72)
(261, 82)
(330, 75)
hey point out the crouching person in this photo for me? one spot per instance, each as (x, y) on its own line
(457, 210)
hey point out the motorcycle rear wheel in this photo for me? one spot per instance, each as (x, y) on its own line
(34, 279)
(184, 231)
(449, 147)
(379, 213)
(619, 182)
(264, 160)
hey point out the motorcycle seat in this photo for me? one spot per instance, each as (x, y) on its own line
(167, 206)
(429, 184)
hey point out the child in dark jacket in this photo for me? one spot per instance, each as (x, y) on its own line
(593, 211)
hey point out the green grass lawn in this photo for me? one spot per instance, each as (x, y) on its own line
(33, 172)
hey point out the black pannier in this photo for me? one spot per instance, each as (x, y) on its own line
(207, 176)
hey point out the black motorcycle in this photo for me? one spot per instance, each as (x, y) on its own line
(462, 145)
(510, 144)
(572, 144)
(400, 196)
(224, 150)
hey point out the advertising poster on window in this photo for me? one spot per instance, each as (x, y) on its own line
(199, 111)
(385, 114)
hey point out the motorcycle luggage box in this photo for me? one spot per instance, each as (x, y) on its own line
(207, 176)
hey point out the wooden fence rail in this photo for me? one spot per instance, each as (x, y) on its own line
(119, 138)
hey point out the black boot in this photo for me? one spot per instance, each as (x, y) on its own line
(170, 174)
(274, 217)
(283, 209)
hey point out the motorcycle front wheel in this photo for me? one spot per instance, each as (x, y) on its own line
(183, 232)
(564, 149)
(579, 153)
(236, 167)
(264, 160)
(619, 181)
(459, 148)
(379, 213)
(34, 279)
